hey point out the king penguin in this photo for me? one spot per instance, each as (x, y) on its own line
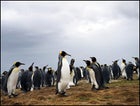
(12, 79)
(92, 75)
(63, 74)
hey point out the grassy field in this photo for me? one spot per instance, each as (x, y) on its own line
(120, 92)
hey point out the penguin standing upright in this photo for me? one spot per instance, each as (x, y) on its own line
(129, 70)
(137, 63)
(123, 66)
(63, 74)
(116, 70)
(106, 73)
(72, 73)
(91, 75)
(37, 78)
(98, 73)
(12, 79)
(26, 82)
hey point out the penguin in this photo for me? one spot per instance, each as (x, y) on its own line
(19, 78)
(129, 71)
(72, 73)
(43, 75)
(49, 77)
(98, 73)
(89, 68)
(137, 63)
(116, 70)
(63, 74)
(37, 78)
(26, 82)
(123, 65)
(3, 79)
(106, 73)
(12, 79)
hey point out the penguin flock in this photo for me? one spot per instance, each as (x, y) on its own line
(66, 75)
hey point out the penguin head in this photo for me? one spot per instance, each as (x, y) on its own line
(87, 62)
(136, 58)
(63, 54)
(123, 60)
(72, 61)
(31, 67)
(115, 62)
(93, 59)
(17, 64)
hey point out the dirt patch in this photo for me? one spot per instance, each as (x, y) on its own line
(120, 92)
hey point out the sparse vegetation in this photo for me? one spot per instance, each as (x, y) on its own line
(120, 92)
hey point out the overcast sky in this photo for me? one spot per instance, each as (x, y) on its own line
(36, 31)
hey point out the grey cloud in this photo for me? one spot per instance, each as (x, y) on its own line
(37, 31)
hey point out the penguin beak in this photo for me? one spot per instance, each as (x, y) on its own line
(68, 54)
(22, 64)
(85, 61)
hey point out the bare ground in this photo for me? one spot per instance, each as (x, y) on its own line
(120, 92)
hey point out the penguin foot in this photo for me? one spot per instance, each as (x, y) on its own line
(14, 95)
(56, 92)
(10, 96)
(63, 94)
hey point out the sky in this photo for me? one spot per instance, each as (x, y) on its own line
(36, 31)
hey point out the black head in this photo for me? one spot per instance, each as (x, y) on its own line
(87, 62)
(93, 59)
(136, 58)
(17, 64)
(31, 67)
(72, 61)
(63, 53)
(115, 61)
(123, 60)
(36, 67)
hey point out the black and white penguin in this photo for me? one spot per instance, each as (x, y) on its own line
(116, 70)
(49, 77)
(106, 74)
(3, 80)
(26, 82)
(129, 70)
(123, 71)
(63, 74)
(37, 78)
(89, 68)
(98, 73)
(72, 73)
(43, 75)
(137, 63)
(12, 79)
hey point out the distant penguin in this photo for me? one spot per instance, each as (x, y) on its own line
(26, 82)
(3, 80)
(12, 79)
(72, 73)
(43, 75)
(116, 70)
(89, 68)
(37, 78)
(63, 74)
(137, 63)
(19, 78)
(106, 73)
(129, 71)
(49, 77)
(98, 73)
(123, 66)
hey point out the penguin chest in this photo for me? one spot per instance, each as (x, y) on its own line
(65, 71)
(14, 76)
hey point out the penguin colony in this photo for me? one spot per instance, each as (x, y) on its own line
(66, 75)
